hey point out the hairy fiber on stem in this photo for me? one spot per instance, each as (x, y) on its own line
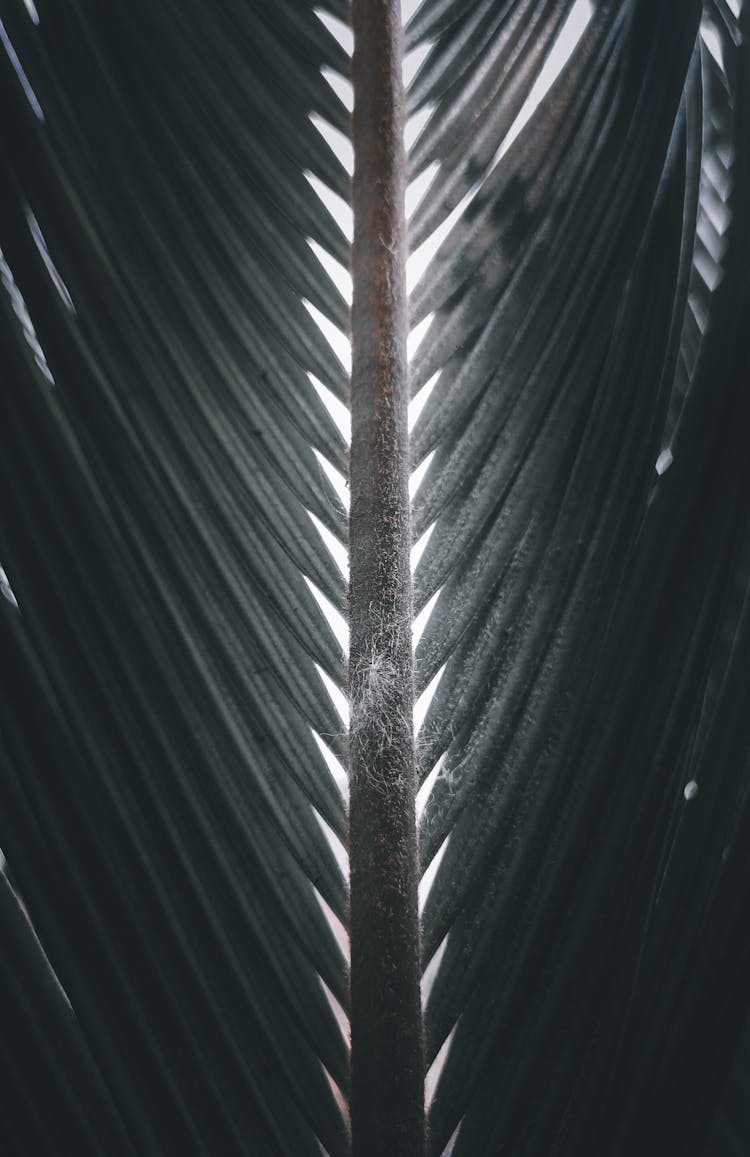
(387, 1056)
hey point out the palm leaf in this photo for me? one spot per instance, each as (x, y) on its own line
(577, 590)
(160, 824)
(166, 807)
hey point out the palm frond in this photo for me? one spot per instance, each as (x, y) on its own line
(172, 979)
(162, 776)
(591, 624)
(731, 1128)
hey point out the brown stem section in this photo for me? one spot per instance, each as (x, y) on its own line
(387, 1099)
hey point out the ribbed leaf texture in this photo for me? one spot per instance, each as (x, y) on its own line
(590, 800)
(160, 774)
(730, 1132)
(585, 756)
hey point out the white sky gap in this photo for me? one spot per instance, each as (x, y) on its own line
(430, 972)
(336, 695)
(414, 126)
(335, 924)
(337, 340)
(338, 849)
(335, 767)
(340, 145)
(435, 1069)
(339, 414)
(417, 188)
(332, 615)
(417, 477)
(710, 38)
(416, 405)
(342, 86)
(335, 548)
(340, 31)
(340, 276)
(429, 874)
(336, 206)
(425, 790)
(413, 60)
(424, 700)
(336, 478)
(420, 622)
(416, 336)
(341, 1018)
